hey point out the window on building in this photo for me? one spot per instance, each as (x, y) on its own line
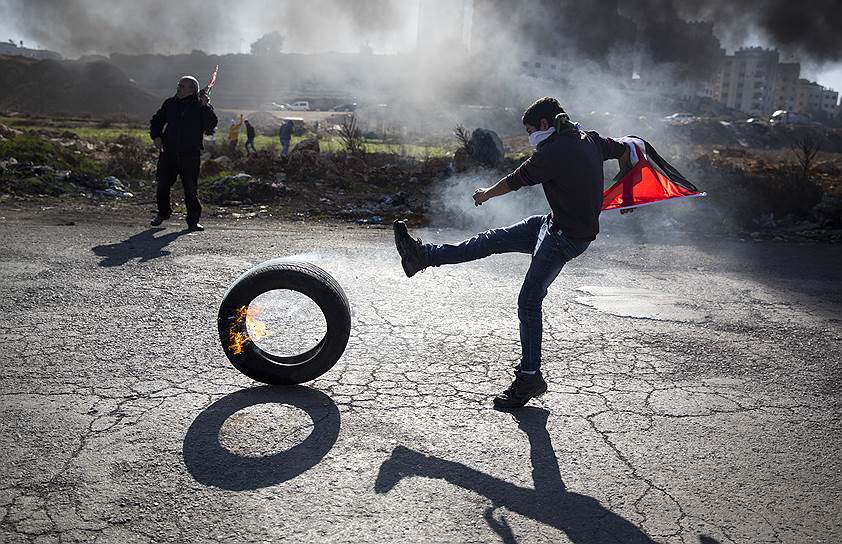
(537, 65)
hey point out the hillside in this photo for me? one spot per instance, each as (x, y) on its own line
(53, 87)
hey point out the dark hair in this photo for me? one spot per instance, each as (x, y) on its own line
(543, 108)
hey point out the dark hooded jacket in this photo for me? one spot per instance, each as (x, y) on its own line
(181, 122)
(569, 167)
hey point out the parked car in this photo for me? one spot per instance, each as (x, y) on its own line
(345, 107)
(680, 118)
(784, 117)
(301, 105)
(271, 106)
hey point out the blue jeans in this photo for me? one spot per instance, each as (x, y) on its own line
(550, 250)
(284, 147)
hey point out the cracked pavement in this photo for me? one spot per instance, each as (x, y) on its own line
(694, 394)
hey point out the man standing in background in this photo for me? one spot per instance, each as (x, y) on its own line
(250, 137)
(177, 129)
(234, 136)
(285, 135)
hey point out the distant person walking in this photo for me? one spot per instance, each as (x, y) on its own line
(234, 136)
(250, 137)
(177, 129)
(285, 135)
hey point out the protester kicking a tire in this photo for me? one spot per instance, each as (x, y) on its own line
(177, 129)
(567, 162)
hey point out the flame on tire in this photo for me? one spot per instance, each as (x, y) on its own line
(246, 327)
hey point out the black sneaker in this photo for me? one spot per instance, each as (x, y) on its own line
(158, 220)
(195, 227)
(525, 387)
(409, 248)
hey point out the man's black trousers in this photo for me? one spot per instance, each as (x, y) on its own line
(187, 167)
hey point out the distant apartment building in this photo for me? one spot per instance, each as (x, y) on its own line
(830, 102)
(753, 80)
(10, 48)
(810, 96)
(534, 64)
(813, 99)
(787, 85)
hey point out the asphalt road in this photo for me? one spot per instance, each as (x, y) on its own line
(694, 394)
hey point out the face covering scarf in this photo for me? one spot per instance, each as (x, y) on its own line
(539, 136)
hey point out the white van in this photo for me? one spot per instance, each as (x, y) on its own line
(783, 117)
(301, 105)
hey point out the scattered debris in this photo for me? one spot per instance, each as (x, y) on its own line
(307, 145)
(111, 186)
(8, 132)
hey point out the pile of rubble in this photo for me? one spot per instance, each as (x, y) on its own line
(43, 180)
(750, 135)
(363, 188)
(771, 198)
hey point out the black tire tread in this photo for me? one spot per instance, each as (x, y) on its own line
(311, 281)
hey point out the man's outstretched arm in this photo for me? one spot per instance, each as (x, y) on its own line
(498, 189)
(535, 170)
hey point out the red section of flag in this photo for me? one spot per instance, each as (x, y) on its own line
(212, 81)
(642, 184)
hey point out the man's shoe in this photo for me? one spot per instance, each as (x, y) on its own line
(196, 227)
(158, 220)
(525, 387)
(410, 250)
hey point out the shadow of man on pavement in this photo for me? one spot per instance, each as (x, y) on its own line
(582, 518)
(143, 245)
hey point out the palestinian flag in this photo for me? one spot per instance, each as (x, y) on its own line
(647, 179)
(212, 81)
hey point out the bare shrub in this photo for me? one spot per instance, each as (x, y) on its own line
(351, 136)
(463, 136)
(805, 147)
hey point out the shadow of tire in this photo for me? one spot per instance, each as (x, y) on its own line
(210, 463)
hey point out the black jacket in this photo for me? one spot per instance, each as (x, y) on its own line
(569, 166)
(181, 122)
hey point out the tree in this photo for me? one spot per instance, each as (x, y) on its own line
(268, 44)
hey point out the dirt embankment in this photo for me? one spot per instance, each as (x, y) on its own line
(96, 88)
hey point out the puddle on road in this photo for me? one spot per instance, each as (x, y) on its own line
(638, 303)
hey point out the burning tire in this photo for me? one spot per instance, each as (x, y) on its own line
(266, 367)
